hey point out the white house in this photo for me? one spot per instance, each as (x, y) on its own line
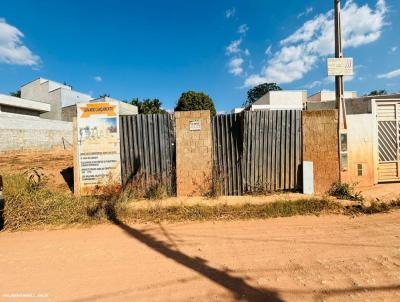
(327, 95)
(281, 100)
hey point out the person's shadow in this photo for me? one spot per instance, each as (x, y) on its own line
(241, 290)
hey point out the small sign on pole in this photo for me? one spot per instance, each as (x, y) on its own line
(340, 67)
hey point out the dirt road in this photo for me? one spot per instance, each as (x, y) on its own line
(329, 258)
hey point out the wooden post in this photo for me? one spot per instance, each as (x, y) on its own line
(2, 204)
(76, 158)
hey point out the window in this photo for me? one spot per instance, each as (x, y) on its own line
(360, 169)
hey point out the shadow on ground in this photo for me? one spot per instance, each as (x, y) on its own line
(238, 287)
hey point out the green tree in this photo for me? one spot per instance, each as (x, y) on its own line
(104, 95)
(16, 94)
(148, 106)
(377, 92)
(191, 101)
(255, 93)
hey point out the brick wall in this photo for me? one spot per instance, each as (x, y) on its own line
(193, 153)
(320, 145)
(19, 132)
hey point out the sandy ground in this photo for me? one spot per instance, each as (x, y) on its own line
(54, 164)
(328, 258)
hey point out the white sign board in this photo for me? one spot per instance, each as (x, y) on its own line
(195, 125)
(340, 67)
(98, 147)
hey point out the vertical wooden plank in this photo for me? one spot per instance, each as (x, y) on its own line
(277, 149)
(162, 147)
(134, 145)
(271, 153)
(130, 157)
(268, 150)
(265, 151)
(292, 148)
(287, 151)
(122, 148)
(239, 154)
(247, 145)
(233, 131)
(156, 143)
(225, 119)
(77, 169)
(282, 152)
(262, 163)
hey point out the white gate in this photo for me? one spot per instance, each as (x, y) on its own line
(388, 116)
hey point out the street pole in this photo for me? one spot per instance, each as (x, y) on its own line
(340, 101)
(339, 83)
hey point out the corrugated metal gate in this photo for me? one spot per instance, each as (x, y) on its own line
(388, 116)
(148, 147)
(258, 151)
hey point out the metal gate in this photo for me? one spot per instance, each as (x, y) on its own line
(388, 116)
(258, 151)
(148, 148)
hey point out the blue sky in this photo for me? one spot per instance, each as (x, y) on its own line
(159, 49)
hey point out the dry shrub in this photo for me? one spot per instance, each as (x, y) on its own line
(152, 188)
(28, 206)
(345, 191)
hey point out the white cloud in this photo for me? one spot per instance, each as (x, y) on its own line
(230, 13)
(243, 29)
(308, 11)
(233, 47)
(12, 49)
(314, 84)
(98, 78)
(314, 41)
(390, 75)
(268, 51)
(393, 49)
(235, 66)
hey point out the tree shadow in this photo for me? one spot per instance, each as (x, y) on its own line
(237, 286)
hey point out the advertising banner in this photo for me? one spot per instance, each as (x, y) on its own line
(98, 147)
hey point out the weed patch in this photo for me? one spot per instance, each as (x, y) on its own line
(345, 191)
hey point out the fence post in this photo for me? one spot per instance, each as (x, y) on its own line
(2, 204)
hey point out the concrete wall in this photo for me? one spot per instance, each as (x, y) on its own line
(25, 132)
(320, 145)
(360, 137)
(193, 153)
(325, 95)
(68, 113)
(16, 110)
(283, 98)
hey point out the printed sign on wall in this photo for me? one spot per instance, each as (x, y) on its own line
(98, 147)
(195, 125)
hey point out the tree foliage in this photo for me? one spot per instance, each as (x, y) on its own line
(377, 92)
(255, 93)
(192, 100)
(148, 106)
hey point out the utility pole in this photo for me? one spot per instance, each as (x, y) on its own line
(339, 83)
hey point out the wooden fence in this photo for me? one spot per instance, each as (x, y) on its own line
(148, 148)
(257, 151)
